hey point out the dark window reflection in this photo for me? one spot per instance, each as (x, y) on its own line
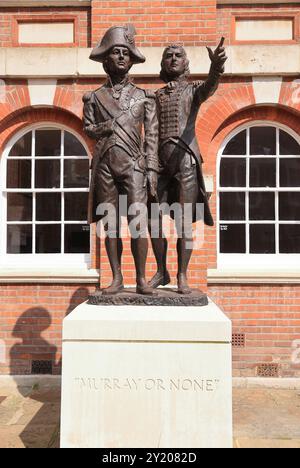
(23, 146)
(288, 145)
(237, 145)
(289, 206)
(47, 142)
(263, 141)
(47, 174)
(76, 173)
(48, 238)
(262, 206)
(19, 239)
(262, 172)
(48, 206)
(19, 207)
(233, 172)
(233, 238)
(262, 239)
(73, 147)
(289, 238)
(290, 172)
(232, 206)
(18, 174)
(77, 238)
(76, 206)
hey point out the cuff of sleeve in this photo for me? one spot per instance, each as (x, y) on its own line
(152, 163)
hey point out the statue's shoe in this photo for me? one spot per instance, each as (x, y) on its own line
(183, 287)
(113, 289)
(184, 290)
(160, 279)
(146, 291)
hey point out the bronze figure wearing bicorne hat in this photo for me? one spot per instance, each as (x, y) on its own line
(122, 119)
(118, 35)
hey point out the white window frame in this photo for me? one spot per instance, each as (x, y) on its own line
(248, 261)
(34, 260)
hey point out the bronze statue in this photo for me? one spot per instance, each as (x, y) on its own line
(180, 177)
(124, 162)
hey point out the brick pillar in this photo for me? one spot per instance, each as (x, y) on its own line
(191, 22)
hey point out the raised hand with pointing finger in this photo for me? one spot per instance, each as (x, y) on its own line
(218, 57)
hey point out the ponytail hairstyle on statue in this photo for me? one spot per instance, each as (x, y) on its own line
(163, 74)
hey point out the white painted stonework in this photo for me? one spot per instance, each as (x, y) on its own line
(264, 29)
(267, 89)
(46, 33)
(55, 62)
(42, 92)
(157, 377)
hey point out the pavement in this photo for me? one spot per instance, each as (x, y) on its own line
(263, 418)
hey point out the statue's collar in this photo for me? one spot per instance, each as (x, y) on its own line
(173, 85)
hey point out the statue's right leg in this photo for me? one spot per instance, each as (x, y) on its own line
(108, 195)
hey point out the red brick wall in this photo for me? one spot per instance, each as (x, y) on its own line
(225, 13)
(269, 316)
(158, 22)
(7, 22)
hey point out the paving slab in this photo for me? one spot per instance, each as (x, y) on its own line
(263, 418)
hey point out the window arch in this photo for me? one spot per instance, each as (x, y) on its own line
(44, 197)
(259, 197)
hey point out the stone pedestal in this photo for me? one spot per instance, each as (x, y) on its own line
(152, 377)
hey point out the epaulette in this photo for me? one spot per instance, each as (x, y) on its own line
(197, 83)
(87, 97)
(150, 93)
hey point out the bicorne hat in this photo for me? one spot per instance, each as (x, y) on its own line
(118, 36)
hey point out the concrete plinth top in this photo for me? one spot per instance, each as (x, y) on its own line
(140, 323)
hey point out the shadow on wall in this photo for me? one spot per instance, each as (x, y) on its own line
(37, 408)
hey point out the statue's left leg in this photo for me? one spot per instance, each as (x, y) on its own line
(138, 226)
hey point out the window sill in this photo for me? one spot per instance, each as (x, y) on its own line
(16, 275)
(253, 277)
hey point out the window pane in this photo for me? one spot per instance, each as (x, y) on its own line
(262, 239)
(237, 145)
(233, 238)
(262, 206)
(47, 174)
(76, 173)
(289, 238)
(19, 207)
(288, 145)
(48, 238)
(263, 141)
(19, 174)
(19, 239)
(77, 238)
(47, 142)
(263, 172)
(289, 206)
(23, 146)
(290, 172)
(48, 206)
(232, 206)
(73, 147)
(233, 172)
(76, 206)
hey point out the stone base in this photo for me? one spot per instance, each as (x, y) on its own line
(146, 377)
(163, 297)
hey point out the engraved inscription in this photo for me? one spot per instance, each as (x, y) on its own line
(150, 384)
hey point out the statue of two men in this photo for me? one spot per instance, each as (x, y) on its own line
(146, 150)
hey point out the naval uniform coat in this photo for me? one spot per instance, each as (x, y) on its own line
(178, 106)
(121, 122)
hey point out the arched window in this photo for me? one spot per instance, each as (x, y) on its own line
(259, 198)
(44, 186)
